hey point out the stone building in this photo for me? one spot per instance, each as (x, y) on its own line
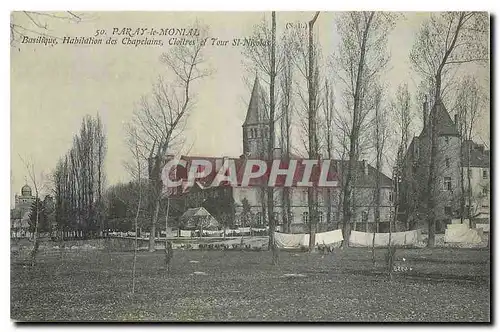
(240, 206)
(19, 215)
(449, 164)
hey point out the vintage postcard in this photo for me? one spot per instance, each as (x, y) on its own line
(250, 166)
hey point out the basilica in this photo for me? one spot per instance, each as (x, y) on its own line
(20, 214)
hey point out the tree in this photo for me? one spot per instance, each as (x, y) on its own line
(401, 108)
(306, 59)
(246, 213)
(361, 56)
(329, 109)
(137, 172)
(468, 105)
(38, 211)
(79, 181)
(380, 138)
(160, 118)
(38, 184)
(313, 93)
(34, 23)
(445, 41)
(268, 60)
(285, 126)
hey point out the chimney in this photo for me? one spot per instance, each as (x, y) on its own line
(365, 167)
(424, 111)
(277, 153)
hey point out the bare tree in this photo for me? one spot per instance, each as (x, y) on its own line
(361, 56)
(160, 119)
(38, 184)
(445, 40)
(268, 60)
(468, 105)
(285, 128)
(306, 59)
(313, 94)
(136, 172)
(401, 108)
(38, 23)
(328, 107)
(379, 143)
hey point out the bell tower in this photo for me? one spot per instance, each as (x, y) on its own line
(256, 125)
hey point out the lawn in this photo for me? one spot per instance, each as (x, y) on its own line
(445, 285)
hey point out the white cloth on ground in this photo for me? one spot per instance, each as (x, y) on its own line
(461, 234)
(288, 241)
(364, 239)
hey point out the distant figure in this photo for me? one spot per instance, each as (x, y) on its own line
(169, 254)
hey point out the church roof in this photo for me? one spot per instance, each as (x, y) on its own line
(256, 113)
(367, 179)
(444, 124)
(479, 157)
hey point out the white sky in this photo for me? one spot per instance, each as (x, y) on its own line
(52, 88)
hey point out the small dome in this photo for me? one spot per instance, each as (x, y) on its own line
(26, 190)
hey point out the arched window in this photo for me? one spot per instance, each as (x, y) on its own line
(320, 216)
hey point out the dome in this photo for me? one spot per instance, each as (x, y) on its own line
(26, 190)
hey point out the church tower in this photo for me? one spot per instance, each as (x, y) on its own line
(256, 125)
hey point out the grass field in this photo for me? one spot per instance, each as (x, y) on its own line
(445, 285)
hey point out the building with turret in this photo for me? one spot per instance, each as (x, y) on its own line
(20, 214)
(450, 168)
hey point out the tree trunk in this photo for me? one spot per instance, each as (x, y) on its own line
(34, 251)
(270, 190)
(313, 146)
(154, 219)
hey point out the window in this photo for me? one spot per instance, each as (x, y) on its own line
(485, 190)
(447, 162)
(447, 139)
(290, 217)
(364, 216)
(447, 183)
(276, 216)
(485, 173)
(391, 196)
(447, 210)
(320, 216)
(391, 215)
(258, 218)
(305, 217)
